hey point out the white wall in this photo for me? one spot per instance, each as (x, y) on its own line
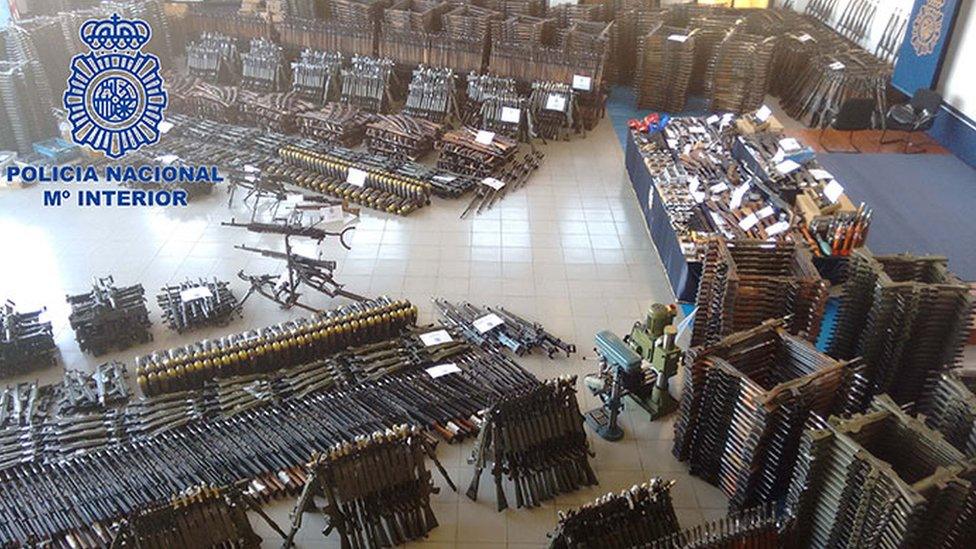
(958, 80)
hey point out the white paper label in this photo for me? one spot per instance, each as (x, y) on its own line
(837, 66)
(165, 127)
(765, 212)
(748, 222)
(787, 167)
(778, 157)
(790, 144)
(293, 198)
(333, 214)
(582, 83)
(717, 219)
(833, 191)
(738, 194)
(712, 119)
(250, 178)
(435, 338)
(777, 228)
(673, 143)
(251, 169)
(487, 323)
(485, 137)
(821, 175)
(698, 196)
(511, 115)
(763, 114)
(678, 38)
(190, 294)
(496, 184)
(804, 38)
(693, 183)
(442, 370)
(356, 177)
(556, 102)
(718, 188)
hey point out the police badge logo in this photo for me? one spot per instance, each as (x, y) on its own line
(927, 28)
(115, 97)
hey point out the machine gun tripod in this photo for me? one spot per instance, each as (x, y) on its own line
(257, 187)
(317, 274)
(637, 368)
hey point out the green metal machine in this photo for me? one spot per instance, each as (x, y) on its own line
(646, 384)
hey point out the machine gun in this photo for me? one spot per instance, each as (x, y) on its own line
(312, 272)
(637, 368)
(258, 186)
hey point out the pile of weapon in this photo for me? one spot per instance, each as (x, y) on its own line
(511, 178)
(213, 58)
(108, 317)
(26, 341)
(335, 123)
(744, 404)
(263, 68)
(498, 328)
(106, 386)
(506, 114)
(745, 282)
(665, 59)
(366, 83)
(26, 93)
(530, 63)
(635, 517)
(475, 152)
(211, 102)
(274, 347)
(756, 528)
(416, 15)
(238, 26)
(301, 271)
(840, 234)
(351, 38)
(469, 22)
(432, 94)
(739, 72)
(553, 106)
(535, 437)
(906, 316)
(378, 489)
(949, 406)
(315, 75)
(402, 136)
(190, 305)
(484, 87)
(342, 174)
(881, 479)
(202, 516)
(275, 111)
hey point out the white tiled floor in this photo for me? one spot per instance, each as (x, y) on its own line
(569, 249)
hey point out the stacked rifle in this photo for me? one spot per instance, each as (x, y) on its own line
(106, 386)
(756, 528)
(745, 282)
(402, 135)
(432, 94)
(492, 103)
(744, 404)
(498, 328)
(335, 123)
(739, 72)
(635, 517)
(202, 516)
(26, 341)
(24, 119)
(552, 105)
(108, 317)
(277, 111)
(665, 59)
(881, 479)
(830, 79)
(212, 102)
(476, 153)
(350, 37)
(378, 489)
(190, 305)
(535, 437)
(906, 316)
(315, 75)
(263, 69)
(344, 174)
(289, 344)
(213, 58)
(511, 178)
(949, 406)
(366, 83)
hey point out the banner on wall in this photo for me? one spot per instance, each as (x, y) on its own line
(925, 45)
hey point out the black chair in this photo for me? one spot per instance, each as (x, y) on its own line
(853, 115)
(918, 115)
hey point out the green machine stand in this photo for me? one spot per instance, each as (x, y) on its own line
(644, 382)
